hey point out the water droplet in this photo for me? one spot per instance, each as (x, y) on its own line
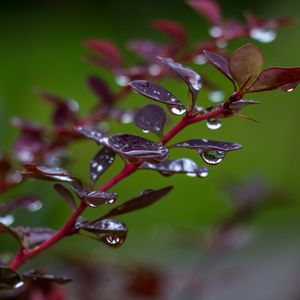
(263, 35)
(19, 284)
(154, 70)
(34, 206)
(24, 156)
(146, 131)
(200, 59)
(213, 124)
(204, 173)
(127, 117)
(289, 90)
(213, 157)
(183, 165)
(111, 201)
(196, 82)
(216, 96)
(122, 80)
(7, 220)
(179, 110)
(221, 43)
(215, 31)
(113, 241)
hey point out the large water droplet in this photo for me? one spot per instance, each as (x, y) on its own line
(204, 173)
(122, 80)
(216, 96)
(154, 70)
(215, 31)
(127, 117)
(213, 124)
(113, 241)
(7, 220)
(263, 35)
(34, 206)
(19, 284)
(179, 110)
(200, 59)
(213, 157)
(183, 165)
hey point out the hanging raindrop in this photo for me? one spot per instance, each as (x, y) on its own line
(212, 157)
(213, 124)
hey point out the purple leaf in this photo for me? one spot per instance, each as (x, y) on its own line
(30, 144)
(204, 145)
(111, 232)
(220, 62)
(209, 9)
(135, 148)
(94, 198)
(151, 118)
(145, 199)
(245, 65)
(157, 93)
(33, 236)
(239, 105)
(108, 51)
(182, 165)
(64, 110)
(40, 277)
(190, 77)
(45, 173)
(172, 29)
(148, 50)
(9, 279)
(66, 195)
(101, 162)
(92, 133)
(101, 90)
(31, 203)
(276, 77)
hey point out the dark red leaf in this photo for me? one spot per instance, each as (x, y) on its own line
(158, 93)
(33, 236)
(92, 133)
(45, 173)
(65, 194)
(205, 145)
(151, 118)
(135, 148)
(172, 29)
(145, 199)
(101, 90)
(41, 277)
(276, 77)
(209, 9)
(245, 65)
(101, 162)
(31, 203)
(169, 167)
(239, 105)
(65, 111)
(111, 232)
(190, 77)
(94, 198)
(106, 49)
(220, 62)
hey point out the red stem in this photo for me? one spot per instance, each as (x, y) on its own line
(24, 254)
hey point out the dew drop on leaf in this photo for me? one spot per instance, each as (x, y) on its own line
(216, 96)
(7, 220)
(113, 241)
(180, 110)
(263, 35)
(212, 157)
(183, 164)
(200, 59)
(122, 80)
(34, 206)
(213, 124)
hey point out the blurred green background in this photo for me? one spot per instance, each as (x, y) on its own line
(41, 47)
